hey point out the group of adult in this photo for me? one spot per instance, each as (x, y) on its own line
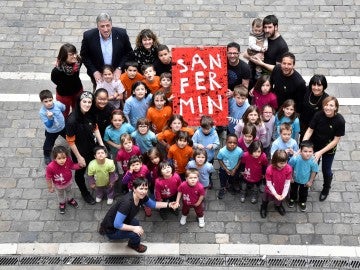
(108, 45)
(319, 118)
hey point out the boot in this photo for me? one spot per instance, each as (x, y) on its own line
(263, 209)
(326, 187)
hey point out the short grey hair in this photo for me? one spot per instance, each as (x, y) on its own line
(103, 16)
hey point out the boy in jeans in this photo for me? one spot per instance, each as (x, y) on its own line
(51, 114)
(305, 169)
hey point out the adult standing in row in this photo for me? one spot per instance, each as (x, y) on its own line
(238, 70)
(314, 96)
(66, 77)
(325, 130)
(145, 52)
(277, 46)
(105, 45)
(82, 135)
(287, 83)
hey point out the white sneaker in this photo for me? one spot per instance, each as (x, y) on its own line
(110, 201)
(183, 220)
(98, 199)
(201, 222)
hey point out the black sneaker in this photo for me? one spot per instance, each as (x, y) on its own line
(302, 207)
(221, 193)
(73, 203)
(291, 203)
(89, 199)
(62, 208)
(281, 210)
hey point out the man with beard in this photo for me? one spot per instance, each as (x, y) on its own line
(287, 83)
(238, 70)
(277, 46)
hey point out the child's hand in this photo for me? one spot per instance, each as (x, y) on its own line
(111, 185)
(229, 93)
(153, 126)
(49, 114)
(278, 197)
(309, 183)
(209, 146)
(289, 151)
(92, 186)
(200, 146)
(51, 190)
(174, 205)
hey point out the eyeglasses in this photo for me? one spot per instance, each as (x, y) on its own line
(143, 126)
(233, 53)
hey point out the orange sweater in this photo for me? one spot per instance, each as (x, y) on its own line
(168, 135)
(158, 118)
(181, 156)
(127, 82)
(154, 85)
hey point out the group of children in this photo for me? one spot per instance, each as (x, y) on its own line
(145, 139)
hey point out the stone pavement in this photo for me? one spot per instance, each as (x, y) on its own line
(30, 36)
(30, 214)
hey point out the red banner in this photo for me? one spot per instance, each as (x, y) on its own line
(199, 84)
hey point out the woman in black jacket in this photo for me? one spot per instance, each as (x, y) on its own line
(66, 77)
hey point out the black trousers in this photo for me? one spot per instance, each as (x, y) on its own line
(299, 191)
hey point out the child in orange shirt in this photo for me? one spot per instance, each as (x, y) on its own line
(181, 152)
(175, 123)
(151, 80)
(130, 76)
(159, 111)
(165, 82)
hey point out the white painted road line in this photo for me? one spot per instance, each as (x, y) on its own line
(46, 76)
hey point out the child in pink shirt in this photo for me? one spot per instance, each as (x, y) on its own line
(254, 162)
(278, 177)
(192, 194)
(136, 169)
(247, 137)
(59, 177)
(166, 186)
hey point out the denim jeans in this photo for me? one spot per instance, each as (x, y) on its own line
(134, 239)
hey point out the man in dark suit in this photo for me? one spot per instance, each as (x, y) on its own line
(105, 45)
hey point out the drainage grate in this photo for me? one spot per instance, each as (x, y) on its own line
(81, 260)
(123, 260)
(165, 260)
(206, 261)
(40, 260)
(212, 261)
